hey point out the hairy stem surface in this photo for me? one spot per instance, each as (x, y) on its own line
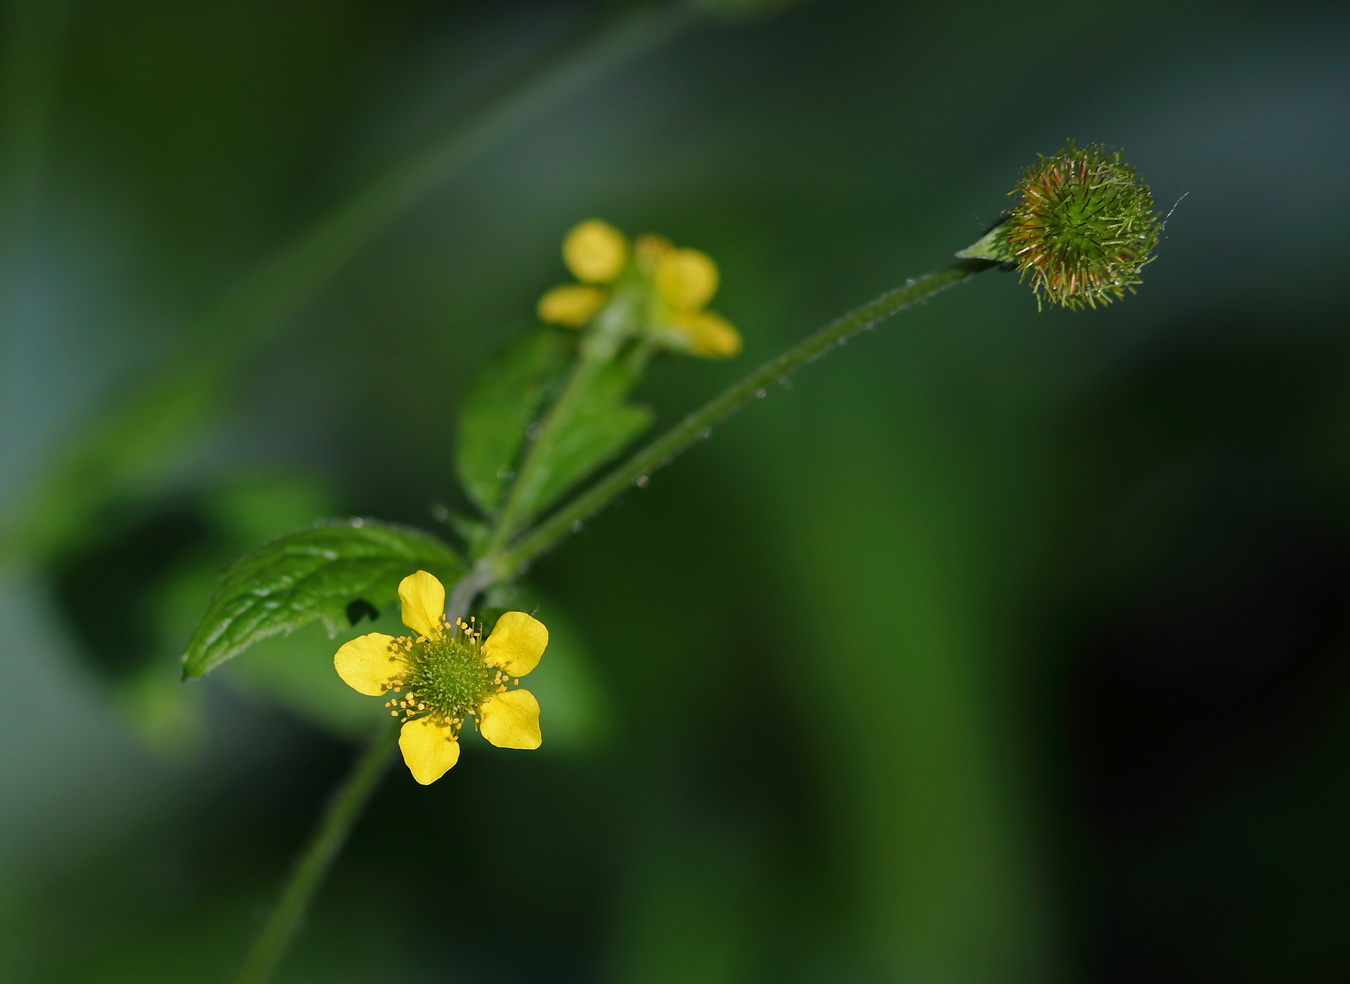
(700, 423)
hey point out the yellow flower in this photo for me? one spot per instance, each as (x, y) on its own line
(670, 286)
(447, 676)
(596, 253)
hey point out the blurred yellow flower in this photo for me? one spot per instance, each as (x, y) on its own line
(670, 286)
(447, 676)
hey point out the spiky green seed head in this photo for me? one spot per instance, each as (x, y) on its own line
(1083, 227)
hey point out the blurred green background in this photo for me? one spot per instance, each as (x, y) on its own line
(999, 647)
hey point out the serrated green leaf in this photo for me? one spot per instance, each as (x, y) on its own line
(498, 408)
(595, 428)
(590, 424)
(313, 574)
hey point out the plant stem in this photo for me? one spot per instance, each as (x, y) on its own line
(598, 348)
(700, 423)
(332, 830)
(319, 853)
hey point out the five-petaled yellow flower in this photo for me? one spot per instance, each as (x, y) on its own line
(677, 284)
(448, 675)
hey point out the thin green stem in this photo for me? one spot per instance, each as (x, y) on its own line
(332, 830)
(318, 856)
(700, 423)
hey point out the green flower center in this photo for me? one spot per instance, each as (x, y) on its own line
(447, 679)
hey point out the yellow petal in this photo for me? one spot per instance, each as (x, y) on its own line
(510, 720)
(369, 662)
(686, 278)
(423, 599)
(429, 749)
(595, 252)
(516, 643)
(571, 305)
(706, 334)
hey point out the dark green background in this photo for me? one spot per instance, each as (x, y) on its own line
(1001, 647)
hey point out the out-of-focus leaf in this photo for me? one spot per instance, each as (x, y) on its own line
(117, 459)
(166, 719)
(498, 408)
(295, 673)
(325, 572)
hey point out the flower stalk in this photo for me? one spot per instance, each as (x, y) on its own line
(697, 425)
(330, 834)
(323, 847)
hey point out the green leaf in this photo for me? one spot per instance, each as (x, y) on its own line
(590, 430)
(317, 573)
(500, 405)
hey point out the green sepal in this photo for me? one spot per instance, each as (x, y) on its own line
(993, 245)
(498, 408)
(325, 572)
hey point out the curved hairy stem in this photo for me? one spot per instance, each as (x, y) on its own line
(699, 424)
